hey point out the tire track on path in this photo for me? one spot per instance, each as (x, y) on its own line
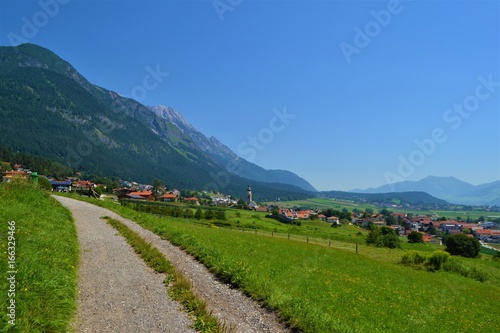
(230, 306)
(117, 291)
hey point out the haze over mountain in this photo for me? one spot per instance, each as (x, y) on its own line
(226, 157)
(48, 109)
(450, 189)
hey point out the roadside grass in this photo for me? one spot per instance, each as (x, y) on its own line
(321, 289)
(259, 222)
(46, 250)
(179, 287)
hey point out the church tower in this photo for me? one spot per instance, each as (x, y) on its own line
(249, 194)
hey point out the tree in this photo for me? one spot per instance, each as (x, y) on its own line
(209, 215)
(345, 221)
(188, 213)
(415, 237)
(390, 220)
(383, 237)
(432, 230)
(198, 214)
(463, 245)
(157, 188)
(220, 215)
(400, 220)
(385, 212)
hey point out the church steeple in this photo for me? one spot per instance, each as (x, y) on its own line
(249, 194)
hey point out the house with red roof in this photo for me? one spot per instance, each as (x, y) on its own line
(144, 195)
(193, 200)
(15, 174)
(169, 197)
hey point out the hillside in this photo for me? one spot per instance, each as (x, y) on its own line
(226, 157)
(450, 189)
(48, 109)
(411, 197)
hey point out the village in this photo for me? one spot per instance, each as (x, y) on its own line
(431, 227)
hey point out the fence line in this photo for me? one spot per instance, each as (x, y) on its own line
(294, 237)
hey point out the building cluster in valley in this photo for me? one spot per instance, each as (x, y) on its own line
(427, 225)
(403, 223)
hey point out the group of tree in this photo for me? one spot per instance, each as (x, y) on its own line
(176, 211)
(462, 245)
(383, 237)
(344, 214)
(42, 165)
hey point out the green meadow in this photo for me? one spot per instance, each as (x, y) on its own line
(46, 261)
(317, 288)
(338, 204)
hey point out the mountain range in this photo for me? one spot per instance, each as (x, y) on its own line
(450, 189)
(49, 109)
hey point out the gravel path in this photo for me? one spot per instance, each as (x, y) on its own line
(117, 291)
(237, 311)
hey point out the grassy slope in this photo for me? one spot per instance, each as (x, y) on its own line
(324, 203)
(46, 258)
(321, 289)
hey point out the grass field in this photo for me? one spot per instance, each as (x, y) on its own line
(321, 289)
(46, 260)
(338, 204)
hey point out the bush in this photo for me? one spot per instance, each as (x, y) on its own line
(462, 245)
(413, 258)
(415, 237)
(455, 265)
(44, 184)
(441, 260)
(436, 260)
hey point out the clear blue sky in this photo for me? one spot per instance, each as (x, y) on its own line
(361, 81)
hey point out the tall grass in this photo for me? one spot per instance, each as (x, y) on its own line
(320, 289)
(46, 260)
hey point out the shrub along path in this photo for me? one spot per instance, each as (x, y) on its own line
(238, 312)
(117, 291)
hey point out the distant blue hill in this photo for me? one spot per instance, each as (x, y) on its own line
(450, 189)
